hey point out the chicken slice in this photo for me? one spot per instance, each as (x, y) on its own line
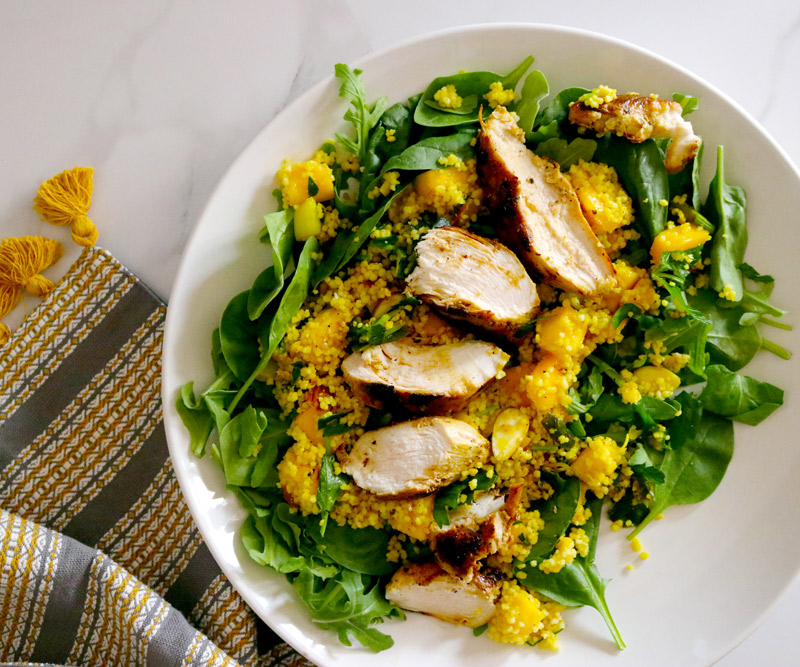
(427, 588)
(422, 378)
(471, 278)
(414, 457)
(541, 215)
(475, 532)
(639, 117)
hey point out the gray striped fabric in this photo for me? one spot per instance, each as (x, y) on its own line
(100, 561)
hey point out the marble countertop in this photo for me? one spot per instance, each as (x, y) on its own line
(159, 96)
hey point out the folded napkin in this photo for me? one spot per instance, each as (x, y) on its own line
(101, 563)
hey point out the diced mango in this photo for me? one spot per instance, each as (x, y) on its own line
(627, 275)
(656, 381)
(307, 421)
(414, 517)
(323, 337)
(307, 220)
(680, 237)
(509, 432)
(430, 183)
(294, 180)
(547, 385)
(561, 332)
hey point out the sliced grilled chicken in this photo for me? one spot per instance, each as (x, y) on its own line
(422, 378)
(426, 588)
(471, 278)
(414, 457)
(639, 117)
(541, 215)
(475, 532)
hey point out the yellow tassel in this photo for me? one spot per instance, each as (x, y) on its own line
(65, 199)
(5, 334)
(21, 261)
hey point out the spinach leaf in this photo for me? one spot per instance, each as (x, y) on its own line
(701, 449)
(726, 208)
(579, 583)
(361, 115)
(238, 337)
(641, 170)
(628, 509)
(399, 119)
(739, 397)
(330, 484)
(648, 410)
(567, 154)
(641, 463)
(534, 90)
(271, 327)
(347, 604)
(730, 341)
(466, 84)
(426, 153)
(688, 103)
(362, 550)
(557, 109)
(557, 513)
(291, 301)
(333, 424)
(247, 455)
(347, 243)
(279, 230)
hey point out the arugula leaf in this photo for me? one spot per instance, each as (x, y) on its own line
(725, 207)
(702, 447)
(641, 170)
(467, 85)
(347, 604)
(534, 90)
(361, 115)
(279, 229)
(739, 397)
(195, 417)
(557, 513)
(579, 583)
(266, 546)
(567, 154)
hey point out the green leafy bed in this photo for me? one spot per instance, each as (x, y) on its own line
(339, 572)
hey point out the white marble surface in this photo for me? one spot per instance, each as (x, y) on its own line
(159, 96)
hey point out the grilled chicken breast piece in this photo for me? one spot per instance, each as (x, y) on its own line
(471, 278)
(422, 378)
(427, 588)
(541, 215)
(639, 117)
(414, 457)
(475, 532)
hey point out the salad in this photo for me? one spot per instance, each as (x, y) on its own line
(490, 316)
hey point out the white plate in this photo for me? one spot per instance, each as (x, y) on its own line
(716, 568)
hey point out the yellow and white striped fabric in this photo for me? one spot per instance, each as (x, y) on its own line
(100, 561)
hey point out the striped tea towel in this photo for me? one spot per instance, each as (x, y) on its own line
(101, 563)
